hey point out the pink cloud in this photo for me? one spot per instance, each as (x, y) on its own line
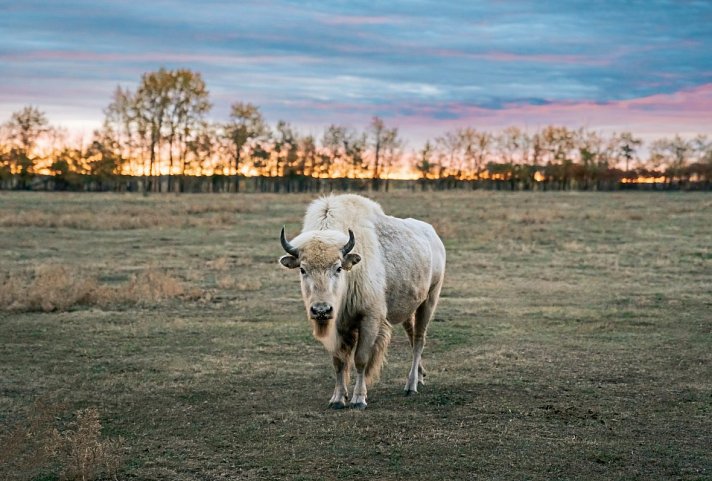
(686, 112)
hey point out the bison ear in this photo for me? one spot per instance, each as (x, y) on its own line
(290, 262)
(350, 260)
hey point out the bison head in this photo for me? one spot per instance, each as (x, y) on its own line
(323, 257)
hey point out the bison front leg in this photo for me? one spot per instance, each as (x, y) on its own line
(341, 393)
(370, 353)
(358, 400)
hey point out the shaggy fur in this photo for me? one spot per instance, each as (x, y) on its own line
(398, 280)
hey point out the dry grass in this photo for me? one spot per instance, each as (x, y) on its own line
(47, 288)
(136, 213)
(572, 340)
(35, 447)
(57, 288)
(83, 454)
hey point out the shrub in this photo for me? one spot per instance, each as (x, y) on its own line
(35, 447)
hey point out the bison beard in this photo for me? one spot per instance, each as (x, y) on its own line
(325, 332)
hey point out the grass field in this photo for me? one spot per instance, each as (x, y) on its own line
(573, 341)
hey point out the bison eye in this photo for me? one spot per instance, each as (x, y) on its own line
(301, 269)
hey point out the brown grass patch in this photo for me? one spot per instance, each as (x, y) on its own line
(249, 285)
(48, 288)
(133, 219)
(219, 264)
(228, 282)
(225, 282)
(119, 212)
(51, 288)
(129, 218)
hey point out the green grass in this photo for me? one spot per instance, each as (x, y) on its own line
(573, 340)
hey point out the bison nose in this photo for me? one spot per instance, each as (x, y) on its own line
(321, 310)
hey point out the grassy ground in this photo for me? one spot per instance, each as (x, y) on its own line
(573, 340)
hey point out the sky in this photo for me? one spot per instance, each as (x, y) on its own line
(423, 66)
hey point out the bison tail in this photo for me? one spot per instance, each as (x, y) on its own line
(378, 353)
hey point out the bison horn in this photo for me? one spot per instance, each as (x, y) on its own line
(291, 250)
(350, 244)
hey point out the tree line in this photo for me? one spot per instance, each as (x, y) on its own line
(159, 137)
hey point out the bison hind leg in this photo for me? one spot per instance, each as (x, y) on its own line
(408, 326)
(417, 335)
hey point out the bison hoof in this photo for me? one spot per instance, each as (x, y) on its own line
(358, 406)
(337, 405)
(410, 392)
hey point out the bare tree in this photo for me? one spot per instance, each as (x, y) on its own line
(152, 104)
(558, 145)
(392, 152)
(589, 145)
(200, 148)
(188, 107)
(246, 126)
(384, 142)
(673, 154)
(449, 147)
(308, 155)
(514, 149)
(118, 131)
(424, 163)
(286, 150)
(702, 147)
(475, 145)
(104, 159)
(344, 150)
(24, 130)
(626, 147)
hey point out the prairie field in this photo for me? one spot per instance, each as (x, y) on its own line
(156, 337)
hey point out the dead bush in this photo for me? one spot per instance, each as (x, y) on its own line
(48, 288)
(83, 454)
(148, 287)
(35, 447)
(152, 286)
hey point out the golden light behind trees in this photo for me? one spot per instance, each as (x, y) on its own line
(162, 132)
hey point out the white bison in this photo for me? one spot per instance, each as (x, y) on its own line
(361, 271)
